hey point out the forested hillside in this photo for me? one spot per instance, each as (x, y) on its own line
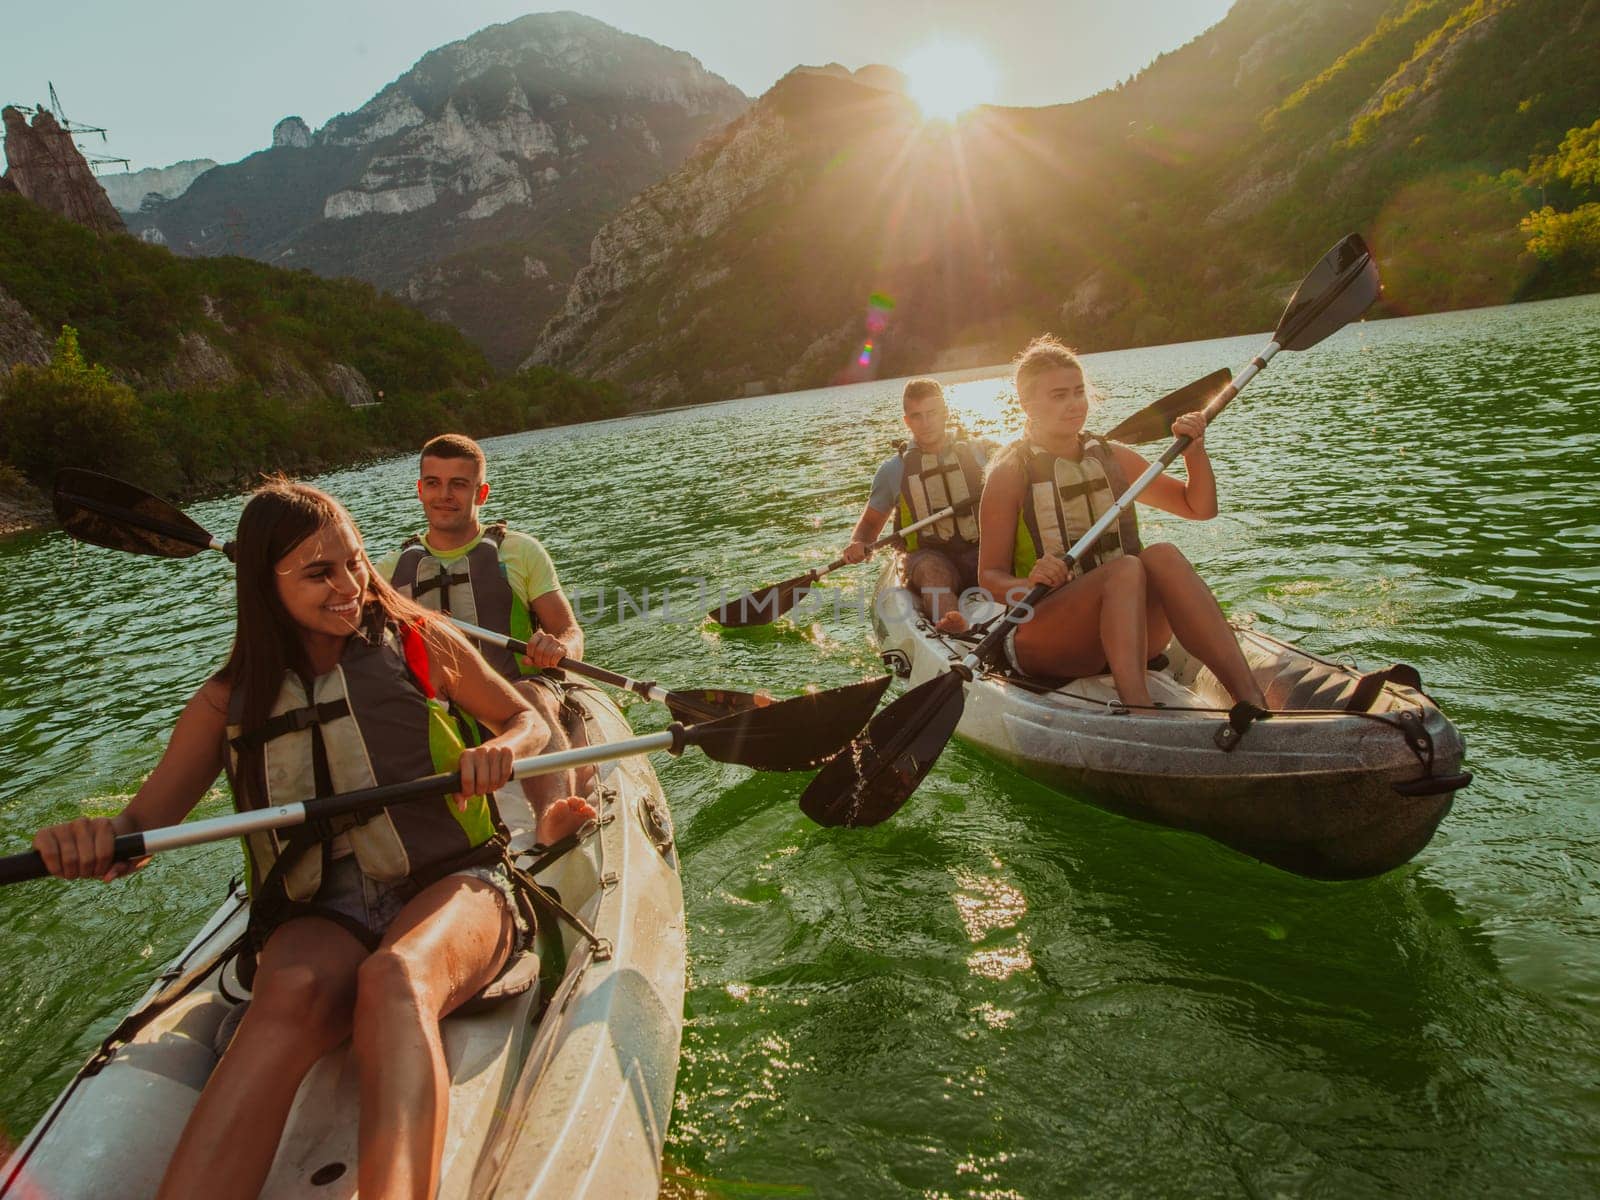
(832, 233)
(194, 374)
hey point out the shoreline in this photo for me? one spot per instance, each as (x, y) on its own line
(25, 510)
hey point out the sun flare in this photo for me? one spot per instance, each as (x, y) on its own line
(948, 78)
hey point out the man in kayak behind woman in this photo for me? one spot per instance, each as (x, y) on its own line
(931, 472)
(337, 682)
(1125, 600)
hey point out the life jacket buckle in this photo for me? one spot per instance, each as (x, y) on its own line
(301, 719)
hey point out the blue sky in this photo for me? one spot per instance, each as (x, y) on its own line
(190, 79)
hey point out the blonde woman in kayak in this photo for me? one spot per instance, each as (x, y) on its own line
(1125, 601)
(335, 681)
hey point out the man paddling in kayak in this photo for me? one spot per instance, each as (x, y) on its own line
(933, 471)
(373, 929)
(1126, 600)
(499, 579)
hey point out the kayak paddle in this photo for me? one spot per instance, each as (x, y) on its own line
(706, 705)
(765, 605)
(870, 779)
(110, 512)
(770, 738)
(1154, 421)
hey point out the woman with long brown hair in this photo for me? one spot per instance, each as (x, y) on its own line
(376, 932)
(1125, 600)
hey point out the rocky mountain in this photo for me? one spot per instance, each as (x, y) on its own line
(128, 190)
(831, 234)
(44, 165)
(472, 185)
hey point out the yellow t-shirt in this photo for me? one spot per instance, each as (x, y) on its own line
(529, 568)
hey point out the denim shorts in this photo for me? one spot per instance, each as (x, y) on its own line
(373, 904)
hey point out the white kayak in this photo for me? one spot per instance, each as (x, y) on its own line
(1349, 777)
(561, 1093)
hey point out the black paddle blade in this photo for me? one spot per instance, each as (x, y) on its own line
(1154, 421)
(873, 776)
(1338, 290)
(764, 605)
(107, 512)
(709, 704)
(791, 735)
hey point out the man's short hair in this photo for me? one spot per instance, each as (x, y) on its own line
(917, 389)
(456, 445)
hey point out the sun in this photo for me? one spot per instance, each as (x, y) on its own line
(948, 78)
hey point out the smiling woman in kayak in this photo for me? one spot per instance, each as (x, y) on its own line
(378, 928)
(1126, 601)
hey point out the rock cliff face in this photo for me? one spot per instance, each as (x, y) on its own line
(46, 167)
(129, 191)
(292, 132)
(22, 342)
(773, 259)
(472, 185)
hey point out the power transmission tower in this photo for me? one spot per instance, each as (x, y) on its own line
(55, 108)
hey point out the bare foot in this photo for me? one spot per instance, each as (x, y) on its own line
(562, 817)
(953, 621)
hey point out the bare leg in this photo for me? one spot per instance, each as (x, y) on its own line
(1095, 621)
(1197, 620)
(554, 798)
(305, 991)
(445, 945)
(937, 585)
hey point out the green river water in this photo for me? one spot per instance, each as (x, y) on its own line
(1001, 992)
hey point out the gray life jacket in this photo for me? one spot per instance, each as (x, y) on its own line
(930, 482)
(372, 720)
(1064, 498)
(473, 587)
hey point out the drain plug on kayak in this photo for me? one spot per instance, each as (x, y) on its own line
(323, 1176)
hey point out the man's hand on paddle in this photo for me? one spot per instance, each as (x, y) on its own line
(545, 650)
(857, 552)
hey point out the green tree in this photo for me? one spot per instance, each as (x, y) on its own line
(71, 413)
(1571, 239)
(1576, 163)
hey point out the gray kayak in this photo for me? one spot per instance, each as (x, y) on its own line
(1349, 778)
(557, 1093)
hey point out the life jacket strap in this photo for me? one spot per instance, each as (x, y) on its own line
(442, 581)
(293, 721)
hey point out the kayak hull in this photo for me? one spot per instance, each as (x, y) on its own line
(1316, 790)
(565, 1093)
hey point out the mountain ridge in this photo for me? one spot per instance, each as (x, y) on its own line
(1176, 206)
(472, 183)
